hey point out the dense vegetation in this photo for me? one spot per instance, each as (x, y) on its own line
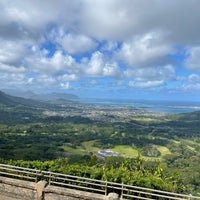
(156, 152)
(128, 171)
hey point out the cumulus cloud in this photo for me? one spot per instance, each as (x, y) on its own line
(146, 84)
(152, 73)
(98, 66)
(74, 44)
(65, 86)
(194, 78)
(12, 80)
(11, 68)
(124, 18)
(45, 80)
(189, 84)
(11, 51)
(115, 20)
(150, 77)
(40, 63)
(192, 61)
(190, 88)
(12, 56)
(68, 77)
(147, 50)
(29, 19)
(110, 46)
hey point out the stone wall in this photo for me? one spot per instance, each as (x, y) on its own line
(25, 190)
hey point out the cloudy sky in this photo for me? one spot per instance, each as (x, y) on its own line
(138, 49)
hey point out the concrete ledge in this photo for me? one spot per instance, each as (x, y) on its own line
(19, 189)
(13, 189)
(57, 193)
(9, 197)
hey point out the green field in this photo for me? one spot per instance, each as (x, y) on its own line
(85, 148)
(163, 150)
(125, 150)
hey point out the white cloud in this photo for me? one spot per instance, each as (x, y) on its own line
(12, 69)
(65, 86)
(40, 81)
(29, 19)
(145, 84)
(12, 80)
(12, 56)
(194, 78)
(150, 77)
(152, 73)
(98, 65)
(193, 59)
(95, 65)
(189, 84)
(124, 18)
(190, 87)
(104, 19)
(147, 50)
(68, 77)
(11, 51)
(74, 44)
(110, 46)
(40, 63)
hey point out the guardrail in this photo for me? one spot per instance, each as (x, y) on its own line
(89, 185)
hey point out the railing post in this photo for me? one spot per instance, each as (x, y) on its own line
(106, 188)
(49, 178)
(36, 178)
(122, 192)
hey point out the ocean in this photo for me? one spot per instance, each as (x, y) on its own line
(170, 107)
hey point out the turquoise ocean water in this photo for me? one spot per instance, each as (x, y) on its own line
(150, 105)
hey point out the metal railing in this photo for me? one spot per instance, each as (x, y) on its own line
(89, 185)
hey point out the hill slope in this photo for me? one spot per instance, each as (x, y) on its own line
(41, 96)
(12, 100)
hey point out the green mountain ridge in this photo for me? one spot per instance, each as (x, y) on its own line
(13, 100)
(41, 96)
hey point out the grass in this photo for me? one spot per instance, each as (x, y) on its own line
(163, 150)
(73, 150)
(84, 148)
(89, 146)
(125, 150)
(148, 119)
(191, 144)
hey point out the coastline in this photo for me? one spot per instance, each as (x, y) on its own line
(169, 107)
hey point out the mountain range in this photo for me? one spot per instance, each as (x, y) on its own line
(44, 96)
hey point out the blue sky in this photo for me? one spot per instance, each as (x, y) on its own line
(134, 49)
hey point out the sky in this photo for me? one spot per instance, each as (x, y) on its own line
(134, 49)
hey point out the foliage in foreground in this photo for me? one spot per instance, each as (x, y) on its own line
(128, 171)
